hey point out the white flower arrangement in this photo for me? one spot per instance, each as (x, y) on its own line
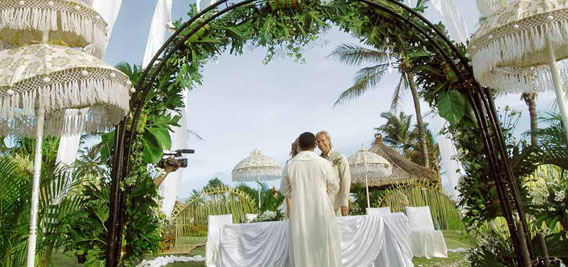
(559, 196)
(267, 215)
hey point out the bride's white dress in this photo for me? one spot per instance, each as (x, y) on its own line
(313, 236)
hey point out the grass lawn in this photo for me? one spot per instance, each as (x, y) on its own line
(197, 251)
(453, 240)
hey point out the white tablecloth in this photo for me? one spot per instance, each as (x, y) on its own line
(381, 240)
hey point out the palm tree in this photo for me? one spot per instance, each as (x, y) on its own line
(530, 100)
(369, 77)
(398, 133)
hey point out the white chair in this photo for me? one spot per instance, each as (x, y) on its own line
(379, 211)
(215, 224)
(426, 242)
(249, 217)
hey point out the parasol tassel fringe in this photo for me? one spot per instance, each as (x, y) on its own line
(508, 48)
(83, 96)
(26, 18)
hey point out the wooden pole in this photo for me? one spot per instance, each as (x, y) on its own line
(524, 250)
(544, 249)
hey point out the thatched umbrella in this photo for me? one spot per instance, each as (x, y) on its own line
(257, 167)
(403, 170)
(365, 165)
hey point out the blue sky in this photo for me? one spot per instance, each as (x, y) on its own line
(243, 104)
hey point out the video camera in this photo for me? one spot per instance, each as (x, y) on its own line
(175, 158)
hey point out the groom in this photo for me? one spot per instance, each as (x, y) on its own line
(341, 169)
(313, 239)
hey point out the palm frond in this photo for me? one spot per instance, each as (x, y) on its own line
(365, 79)
(14, 212)
(355, 55)
(402, 84)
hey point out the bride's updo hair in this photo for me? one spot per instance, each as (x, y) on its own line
(295, 148)
(307, 141)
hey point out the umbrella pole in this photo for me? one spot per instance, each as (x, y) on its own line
(259, 188)
(560, 97)
(35, 186)
(367, 187)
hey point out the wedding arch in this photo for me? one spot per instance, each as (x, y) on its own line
(441, 69)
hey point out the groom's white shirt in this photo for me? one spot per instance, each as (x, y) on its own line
(308, 180)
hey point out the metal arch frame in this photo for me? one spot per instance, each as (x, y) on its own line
(479, 97)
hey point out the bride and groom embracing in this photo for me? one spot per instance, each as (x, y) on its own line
(316, 188)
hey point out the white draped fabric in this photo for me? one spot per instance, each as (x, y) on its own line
(156, 37)
(426, 242)
(457, 29)
(378, 211)
(108, 9)
(215, 224)
(169, 187)
(448, 152)
(365, 241)
(69, 145)
(158, 28)
(452, 19)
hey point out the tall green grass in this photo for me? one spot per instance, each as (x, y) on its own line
(445, 214)
(190, 225)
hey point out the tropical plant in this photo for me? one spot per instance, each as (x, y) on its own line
(478, 193)
(552, 140)
(270, 198)
(397, 133)
(493, 250)
(55, 211)
(24, 147)
(14, 213)
(369, 77)
(88, 231)
(90, 165)
(358, 199)
(142, 233)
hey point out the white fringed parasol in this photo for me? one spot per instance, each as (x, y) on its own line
(68, 22)
(39, 82)
(365, 165)
(517, 47)
(257, 167)
(56, 78)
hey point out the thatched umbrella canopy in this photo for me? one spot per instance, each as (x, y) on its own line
(403, 170)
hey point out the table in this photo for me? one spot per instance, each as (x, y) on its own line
(379, 240)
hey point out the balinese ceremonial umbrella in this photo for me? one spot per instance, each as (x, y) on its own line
(39, 82)
(516, 49)
(67, 22)
(365, 165)
(257, 167)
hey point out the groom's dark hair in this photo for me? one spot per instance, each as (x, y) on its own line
(306, 141)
